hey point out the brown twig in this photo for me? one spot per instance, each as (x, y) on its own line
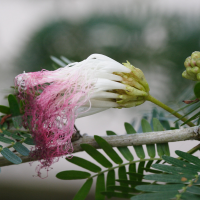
(3, 119)
(191, 101)
(192, 133)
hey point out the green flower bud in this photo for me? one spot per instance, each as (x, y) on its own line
(195, 55)
(198, 62)
(187, 76)
(198, 76)
(195, 70)
(187, 62)
(192, 65)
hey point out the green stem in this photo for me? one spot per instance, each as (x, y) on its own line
(162, 105)
(121, 165)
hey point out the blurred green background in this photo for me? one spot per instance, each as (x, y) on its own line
(152, 42)
(155, 36)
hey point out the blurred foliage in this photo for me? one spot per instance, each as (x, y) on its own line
(147, 42)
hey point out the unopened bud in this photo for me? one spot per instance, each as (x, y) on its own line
(192, 65)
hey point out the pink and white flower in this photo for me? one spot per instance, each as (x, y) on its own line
(54, 99)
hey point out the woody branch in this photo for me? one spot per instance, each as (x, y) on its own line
(192, 133)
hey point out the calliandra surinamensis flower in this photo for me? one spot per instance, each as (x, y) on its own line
(192, 64)
(54, 99)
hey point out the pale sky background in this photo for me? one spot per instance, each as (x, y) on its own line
(19, 18)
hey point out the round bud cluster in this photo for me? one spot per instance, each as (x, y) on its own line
(192, 64)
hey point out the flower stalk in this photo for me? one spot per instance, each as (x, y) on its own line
(170, 110)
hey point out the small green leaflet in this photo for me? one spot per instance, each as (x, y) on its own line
(84, 163)
(174, 170)
(14, 106)
(123, 150)
(72, 175)
(169, 178)
(6, 140)
(9, 155)
(153, 171)
(110, 179)
(146, 127)
(129, 128)
(4, 126)
(138, 149)
(194, 189)
(17, 121)
(189, 196)
(21, 149)
(29, 141)
(100, 158)
(181, 163)
(189, 157)
(153, 188)
(122, 175)
(13, 135)
(24, 134)
(122, 189)
(197, 89)
(108, 149)
(132, 182)
(83, 192)
(137, 175)
(141, 169)
(148, 165)
(132, 169)
(100, 186)
(162, 148)
(5, 109)
(15, 111)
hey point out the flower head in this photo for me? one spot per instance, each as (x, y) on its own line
(192, 64)
(54, 99)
